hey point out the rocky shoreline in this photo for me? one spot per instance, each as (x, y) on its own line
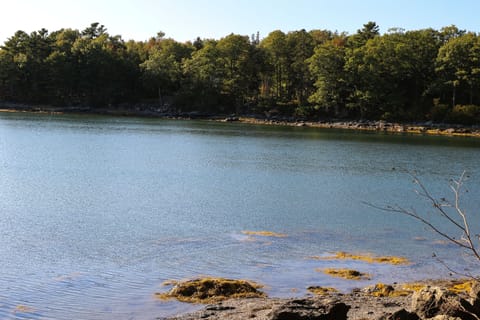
(440, 300)
(422, 128)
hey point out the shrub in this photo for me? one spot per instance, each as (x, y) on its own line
(465, 114)
(439, 112)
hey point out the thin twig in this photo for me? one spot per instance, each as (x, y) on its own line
(466, 241)
(466, 275)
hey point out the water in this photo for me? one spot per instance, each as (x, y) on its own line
(96, 212)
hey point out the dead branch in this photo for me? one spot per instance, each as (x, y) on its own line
(451, 211)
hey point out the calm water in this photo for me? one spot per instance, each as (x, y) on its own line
(96, 212)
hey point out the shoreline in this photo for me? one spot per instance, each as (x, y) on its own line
(460, 298)
(427, 128)
(422, 128)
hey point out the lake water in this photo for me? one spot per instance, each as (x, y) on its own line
(97, 212)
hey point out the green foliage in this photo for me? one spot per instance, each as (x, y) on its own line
(327, 67)
(464, 114)
(305, 112)
(458, 67)
(393, 72)
(439, 112)
(399, 75)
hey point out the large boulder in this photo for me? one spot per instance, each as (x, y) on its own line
(401, 314)
(211, 290)
(432, 301)
(306, 309)
(474, 297)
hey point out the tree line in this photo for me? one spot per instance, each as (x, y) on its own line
(400, 75)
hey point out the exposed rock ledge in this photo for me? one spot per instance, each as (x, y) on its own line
(439, 300)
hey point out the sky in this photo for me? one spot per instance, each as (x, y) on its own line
(185, 20)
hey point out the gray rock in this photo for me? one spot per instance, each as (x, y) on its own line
(401, 314)
(432, 301)
(444, 317)
(474, 299)
(426, 302)
(304, 309)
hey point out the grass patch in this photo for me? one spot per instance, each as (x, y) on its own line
(211, 290)
(348, 274)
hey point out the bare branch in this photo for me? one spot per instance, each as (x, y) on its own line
(451, 211)
(435, 203)
(422, 220)
(466, 275)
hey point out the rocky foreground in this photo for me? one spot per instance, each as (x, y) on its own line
(439, 300)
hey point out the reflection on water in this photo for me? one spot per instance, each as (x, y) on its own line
(96, 212)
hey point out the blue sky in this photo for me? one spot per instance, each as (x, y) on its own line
(186, 19)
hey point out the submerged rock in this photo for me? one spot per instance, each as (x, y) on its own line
(385, 290)
(322, 291)
(394, 260)
(348, 274)
(210, 290)
(264, 234)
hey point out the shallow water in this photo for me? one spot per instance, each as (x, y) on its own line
(96, 212)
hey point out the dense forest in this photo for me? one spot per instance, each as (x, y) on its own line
(400, 75)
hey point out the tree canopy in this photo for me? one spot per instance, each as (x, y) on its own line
(400, 75)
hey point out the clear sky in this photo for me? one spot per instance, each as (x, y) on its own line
(186, 19)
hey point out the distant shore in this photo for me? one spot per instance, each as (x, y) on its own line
(420, 128)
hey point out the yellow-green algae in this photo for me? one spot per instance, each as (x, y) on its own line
(23, 309)
(385, 290)
(413, 287)
(341, 255)
(348, 274)
(322, 291)
(462, 286)
(211, 290)
(264, 234)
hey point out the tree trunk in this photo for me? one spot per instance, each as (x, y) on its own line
(453, 96)
(160, 97)
(471, 94)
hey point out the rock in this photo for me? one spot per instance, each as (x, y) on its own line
(475, 297)
(444, 317)
(348, 274)
(304, 309)
(426, 302)
(322, 291)
(450, 130)
(208, 290)
(432, 301)
(401, 314)
(218, 307)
